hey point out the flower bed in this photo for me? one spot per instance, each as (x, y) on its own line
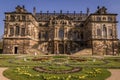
(77, 59)
(41, 59)
(73, 70)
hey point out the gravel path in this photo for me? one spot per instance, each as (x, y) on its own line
(115, 74)
(1, 74)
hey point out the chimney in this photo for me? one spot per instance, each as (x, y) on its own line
(34, 11)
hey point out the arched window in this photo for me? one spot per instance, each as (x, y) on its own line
(104, 31)
(61, 33)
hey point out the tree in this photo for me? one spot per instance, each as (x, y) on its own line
(119, 46)
(1, 41)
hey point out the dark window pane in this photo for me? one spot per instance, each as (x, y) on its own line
(98, 32)
(11, 31)
(17, 30)
(12, 18)
(98, 18)
(23, 18)
(23, 32)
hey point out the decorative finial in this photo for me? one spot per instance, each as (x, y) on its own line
(98, 7)
(23, 6)
(34, 11)
(54, 12)
(67, 12)
(88, 11)
(60, 11)
(74, 12)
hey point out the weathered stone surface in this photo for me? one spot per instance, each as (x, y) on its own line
(60, 33)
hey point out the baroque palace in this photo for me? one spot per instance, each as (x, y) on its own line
(60, 33)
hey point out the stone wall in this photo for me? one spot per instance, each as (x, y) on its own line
(21, 44)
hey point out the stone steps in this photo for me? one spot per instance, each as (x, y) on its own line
(84, 52)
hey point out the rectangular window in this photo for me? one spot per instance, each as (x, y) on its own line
(23, 32)
(12, 18)
(110, 32)
(109, 18)
(98, 32)
(23, 18)
(17, 30)
(11, 31)
(18, 18)
(98, 18)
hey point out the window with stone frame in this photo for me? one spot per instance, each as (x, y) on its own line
(23, 18)
(22, 31)
(104, 18)
(110, 32)
(18, 17)
(109, 18)
(12, 18)
(17, 30)
(11, 31)
(61, 33)
(98, 18)
(98, 32)
(104, 31)
(46, 35)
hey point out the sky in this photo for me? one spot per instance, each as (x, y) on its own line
(113, 6)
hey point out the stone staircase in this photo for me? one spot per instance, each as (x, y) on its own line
(86, 51)
(33, 51)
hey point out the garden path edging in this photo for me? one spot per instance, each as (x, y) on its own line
(2, 77)
(115, 74)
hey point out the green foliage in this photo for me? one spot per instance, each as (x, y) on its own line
(26, 73)
(1, 44)
(119, 46)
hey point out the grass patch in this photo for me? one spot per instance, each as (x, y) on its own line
(23, 70)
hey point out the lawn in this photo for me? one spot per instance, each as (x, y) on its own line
(23, 67)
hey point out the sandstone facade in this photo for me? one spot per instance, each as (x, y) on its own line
(60, 33)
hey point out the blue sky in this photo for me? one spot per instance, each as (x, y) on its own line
(57, 5)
